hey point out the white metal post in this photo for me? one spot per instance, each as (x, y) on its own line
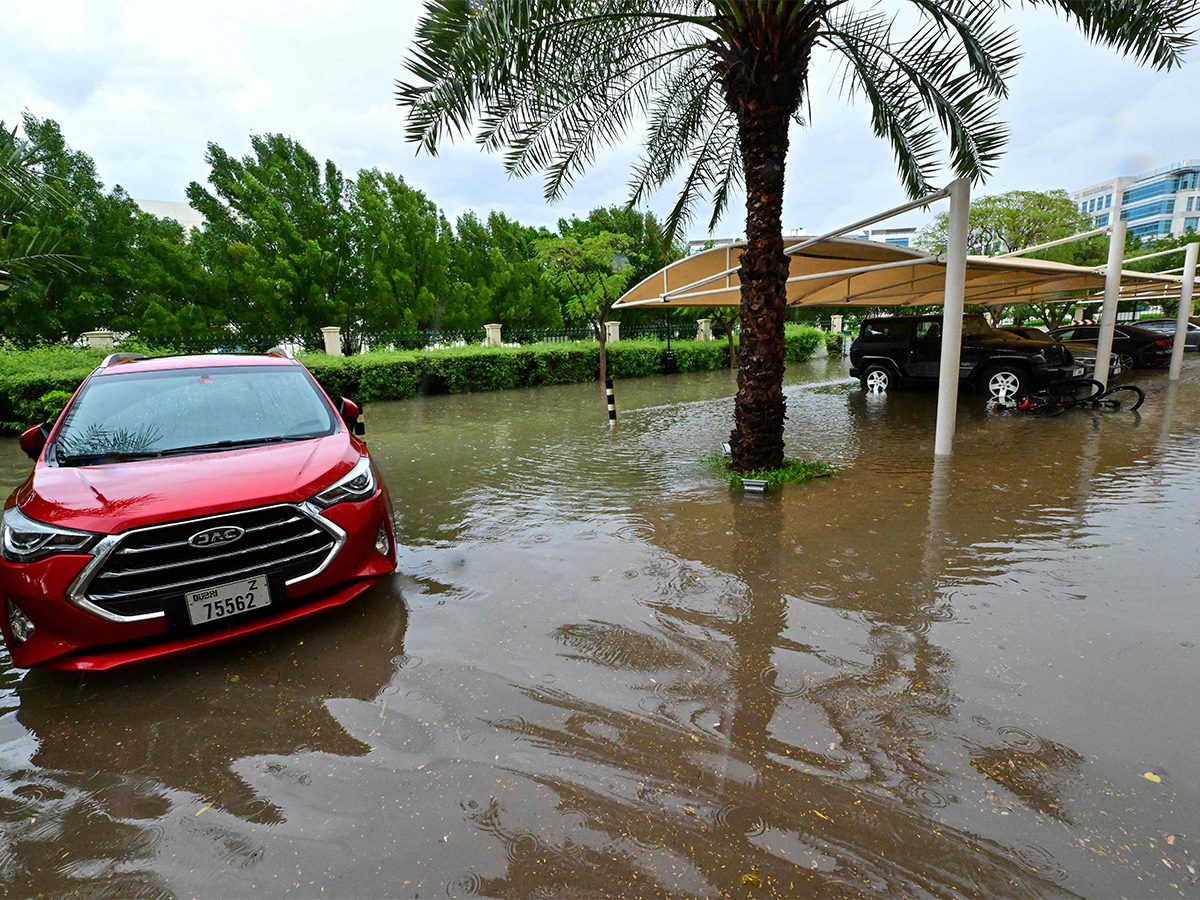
(1112, 293)
(952, 315)
(1185, 310)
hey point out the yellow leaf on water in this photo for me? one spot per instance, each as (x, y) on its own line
(1150, 776)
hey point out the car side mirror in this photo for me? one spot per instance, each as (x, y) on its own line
(33, 440)
(351, 413)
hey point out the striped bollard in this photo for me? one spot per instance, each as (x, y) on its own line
(612, 402)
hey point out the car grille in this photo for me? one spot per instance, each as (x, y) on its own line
(151, 565)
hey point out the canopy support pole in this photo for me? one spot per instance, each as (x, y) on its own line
(959, 192)
(1112, 294)
(1185, 310)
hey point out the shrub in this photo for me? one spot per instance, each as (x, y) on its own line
(834, 343)
(34, 384)
(793, 471)
(801, 342)
(53, 403)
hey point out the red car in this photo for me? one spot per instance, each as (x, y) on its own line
(183, 502)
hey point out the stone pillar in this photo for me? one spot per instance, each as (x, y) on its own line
(333, 340)
(102, 339)
(612, 332)
(493, 335)
(704, 329)
(835, 324)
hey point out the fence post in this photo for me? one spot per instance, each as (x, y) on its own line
(835, 324)
(492, 332)
(612, 331)
(704, 329)
(102, 339)
(333, 340)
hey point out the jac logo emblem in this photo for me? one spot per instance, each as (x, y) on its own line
(215, 537)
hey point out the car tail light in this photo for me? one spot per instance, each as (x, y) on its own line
(1163, 343)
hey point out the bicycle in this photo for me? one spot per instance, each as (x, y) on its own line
(1075, 393)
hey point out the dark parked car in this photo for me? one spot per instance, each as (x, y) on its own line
(1167, 327)
(1134, 347)
(1084, 354)
(894, 350)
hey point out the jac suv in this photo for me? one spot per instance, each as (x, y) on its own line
(183, 502)
(898, 349)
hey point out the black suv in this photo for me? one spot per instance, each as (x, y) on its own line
(897, 349)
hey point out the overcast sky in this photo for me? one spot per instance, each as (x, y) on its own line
(144, 86)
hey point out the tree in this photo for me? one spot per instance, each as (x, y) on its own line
(405, 246)
(500, 278)
(726, 317)
(717, 84)
(594, 271)
(1005, 223)
(25, 192)
(278, 227)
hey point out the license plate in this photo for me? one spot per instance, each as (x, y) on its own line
(226, 600)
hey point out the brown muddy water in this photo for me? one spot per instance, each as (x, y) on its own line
(599, 672)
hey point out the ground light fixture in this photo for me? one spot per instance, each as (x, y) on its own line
(726, 449)
(754, 485)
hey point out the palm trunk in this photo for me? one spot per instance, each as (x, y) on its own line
(757, 438)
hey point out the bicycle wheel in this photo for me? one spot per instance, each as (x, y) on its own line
(1127, 396)
(1049, 409)
(1075, 391)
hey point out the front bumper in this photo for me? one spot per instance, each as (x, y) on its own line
(1041, 376)
(67, 636)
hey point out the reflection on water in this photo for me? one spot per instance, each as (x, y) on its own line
(599, 672)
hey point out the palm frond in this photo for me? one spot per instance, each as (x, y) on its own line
(1150, 31)
(919, 86)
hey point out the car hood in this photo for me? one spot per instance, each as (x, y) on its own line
(119, 496)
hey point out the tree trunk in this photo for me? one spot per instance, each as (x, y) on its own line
(602, 339)
(764, 112)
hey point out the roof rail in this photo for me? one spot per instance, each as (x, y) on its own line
(280, 351)
(113, 358)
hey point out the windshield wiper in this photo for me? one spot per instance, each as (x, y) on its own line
(236, 445)
(110, 456)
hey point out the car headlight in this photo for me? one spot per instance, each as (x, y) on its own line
(25, 540)
(357, 484)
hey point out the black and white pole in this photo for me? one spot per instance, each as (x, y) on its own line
(612, 403)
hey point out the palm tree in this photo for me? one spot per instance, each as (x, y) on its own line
(715, 84)
(26, 249)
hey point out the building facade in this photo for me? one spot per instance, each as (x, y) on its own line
(1154, 204)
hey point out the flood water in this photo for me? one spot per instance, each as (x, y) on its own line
(599, 672)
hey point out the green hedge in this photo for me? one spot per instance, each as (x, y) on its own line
(31, 381)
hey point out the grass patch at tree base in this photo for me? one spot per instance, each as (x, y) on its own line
(793, 471)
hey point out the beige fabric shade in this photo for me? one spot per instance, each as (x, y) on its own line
(851, 272)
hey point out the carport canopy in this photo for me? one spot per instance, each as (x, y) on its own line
(842, 271)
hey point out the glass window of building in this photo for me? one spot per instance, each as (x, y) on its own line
(1193, 223)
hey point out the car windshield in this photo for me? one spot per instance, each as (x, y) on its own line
(147, 414)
